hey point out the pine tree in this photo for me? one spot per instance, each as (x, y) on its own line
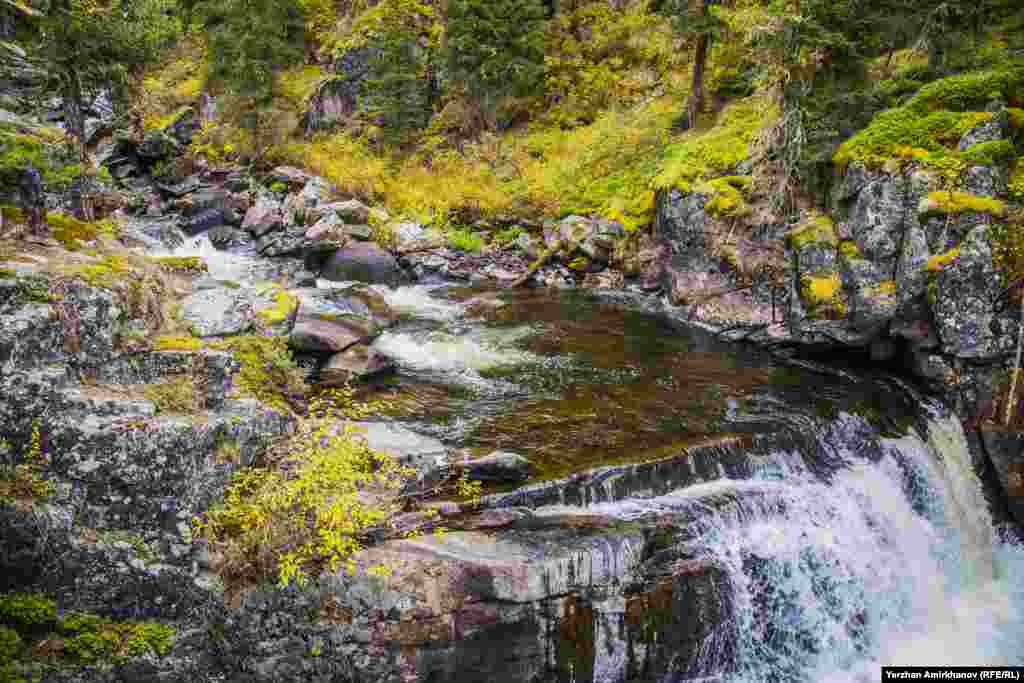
(248, 41)
(495, 48)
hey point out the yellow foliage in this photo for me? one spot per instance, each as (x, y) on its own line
(25, 481)
(310, 513)
(727, 196)
(943, 203)
(1016, 116)
(822, 295)
(71, 232)
(176, 396)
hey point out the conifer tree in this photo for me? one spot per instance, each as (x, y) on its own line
(495, 48)
(248, 41)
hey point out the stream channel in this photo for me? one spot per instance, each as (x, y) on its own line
(758, 521)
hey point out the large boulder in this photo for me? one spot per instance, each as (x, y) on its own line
(363, 262)
(333, 320)
(264, 216)
(357, 362)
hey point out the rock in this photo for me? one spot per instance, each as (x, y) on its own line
(336, 319)
(184, 127)
(182, 188)
(327, 235)
(314, 334)
(501, 466)
(969, 320)
(358, 362)
(264, 217)
(339, 97)
(289, 175)
(986, 181)
(409, 448)
(225, 237)
(353, 212)
(593, 238)
(992, 130)
(157, 146)
(363, 262)
(363, 233)
(218, 312)
(1005, 450)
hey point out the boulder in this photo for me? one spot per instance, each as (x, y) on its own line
(409, 448)
(499, 466)
(263, 217)
(358, 362)
(363, 262)
(218, 312)
(336, 319)
(289, 175)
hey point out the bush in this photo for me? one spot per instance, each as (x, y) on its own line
(307, 512)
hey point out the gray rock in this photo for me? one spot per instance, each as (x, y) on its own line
(218, 312)
(409, 448)
(289, 175)
(315, 334)
(363, 262)
(992, 130)
(1005, 449)
(967, 292)
(501, 466)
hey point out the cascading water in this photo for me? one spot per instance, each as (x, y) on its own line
(805, 545)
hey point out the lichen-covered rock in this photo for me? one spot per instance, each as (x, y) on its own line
(218, 312)
(363, 262)
(970, 320)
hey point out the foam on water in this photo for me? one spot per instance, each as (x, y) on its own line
(221, 264)
(459, 355)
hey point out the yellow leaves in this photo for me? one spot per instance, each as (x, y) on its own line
(939, 262)
(312, 511)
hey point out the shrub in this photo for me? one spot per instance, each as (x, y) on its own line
(268, 371)
(309, 513)
(465, 240)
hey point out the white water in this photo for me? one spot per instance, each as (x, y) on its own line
(220, 264)
(890, 563)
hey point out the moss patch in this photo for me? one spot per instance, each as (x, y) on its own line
(268, 371)
(284, 307)
(946, 203)
(704, 154)
(180, 264)
(177, 343)
(176, 396)
(71, 232)
(818, 229)
(989, 153)
(823, 296)
(728, 196)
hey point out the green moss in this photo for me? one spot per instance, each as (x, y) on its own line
(268, 371)
(940, 262)
(177, 396)
(70, 231)
(28, 612)
(701, 155)
(819, 229)
(8, 274)
(850, 250)
(945, 203)
(32, 289)
(989, 153)
(1015, 189)
(176, 343)
(907, 134)
(10, 645)
(728, 198)
(1016, 117)
(465, 240)
(181, 264)
(108, 273)
(972, 90)
(89, 638)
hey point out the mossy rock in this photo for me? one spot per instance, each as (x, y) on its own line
(952, 203)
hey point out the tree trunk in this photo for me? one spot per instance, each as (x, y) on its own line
(695, 105)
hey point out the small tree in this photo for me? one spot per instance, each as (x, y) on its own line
(248, 41)
(693, 18)
(495, 47)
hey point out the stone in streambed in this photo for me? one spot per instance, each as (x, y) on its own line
(357, 362)
(363, 262)
(499, 466)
